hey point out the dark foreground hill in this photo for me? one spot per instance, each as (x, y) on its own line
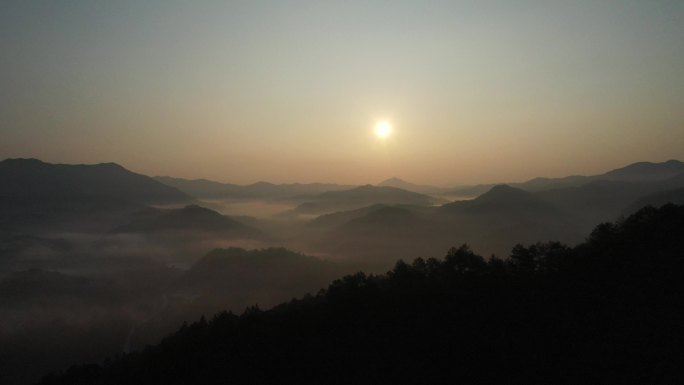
(235, 278)
(606, 311)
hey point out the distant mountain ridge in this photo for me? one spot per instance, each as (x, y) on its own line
(341, 217)
(404, 185)
(32, 178)
(501, 195)
(36, 196)
(635, 172)
(491, 222)
(602, 200)
(361, 196)
(503, 214)
(645, 171)
(190, 218)
(202, 188)
(106, 196)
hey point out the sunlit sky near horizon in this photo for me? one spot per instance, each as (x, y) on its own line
(285, 91)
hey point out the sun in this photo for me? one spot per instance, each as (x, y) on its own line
(383, 129)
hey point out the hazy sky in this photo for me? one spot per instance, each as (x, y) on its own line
(286, 91)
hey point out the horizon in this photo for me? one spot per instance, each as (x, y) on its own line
(432, 92)
(464, 191)
(375, 183)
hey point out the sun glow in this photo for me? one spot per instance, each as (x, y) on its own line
(383, 129)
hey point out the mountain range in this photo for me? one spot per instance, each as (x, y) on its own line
(32, 179)
(36, 196)
(332, 201)
(423, 189)
(206, 189)
(142, 249)
(635, 172)
(364, 221)
(190, 218)
(503, 215)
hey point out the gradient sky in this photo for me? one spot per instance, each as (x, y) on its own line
(478, 91)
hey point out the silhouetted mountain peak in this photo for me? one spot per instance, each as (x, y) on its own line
(22, 161)
(370, 187)
(402, 184)
(202, 188)
(199, 211)
(646, 171)
(110, 166)
(189, 218)
(393, 179)
(25, 178)
(262, 184)
(364, 189)
(361, 196)
(33, 162)
(502, 198)
(391, 215)
(635, 172)
(503, 187)
(504, 192)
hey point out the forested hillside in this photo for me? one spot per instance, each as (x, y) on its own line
(605, 311)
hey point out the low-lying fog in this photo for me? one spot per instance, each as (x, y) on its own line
(83, 277)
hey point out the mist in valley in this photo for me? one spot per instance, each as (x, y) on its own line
(341, 192)
(130, 270)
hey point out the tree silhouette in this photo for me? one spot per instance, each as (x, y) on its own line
(605, 311)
